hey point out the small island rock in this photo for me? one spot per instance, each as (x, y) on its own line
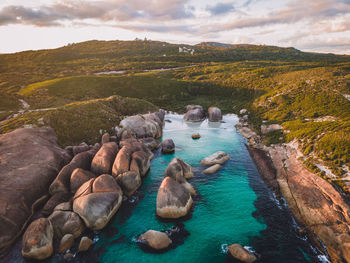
(242, 254)
(155, 239)
(168, 146)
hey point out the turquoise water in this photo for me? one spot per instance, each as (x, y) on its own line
(232, 206)
(223, 213)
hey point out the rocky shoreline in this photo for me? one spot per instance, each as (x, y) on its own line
(321, 209)
(82, 187)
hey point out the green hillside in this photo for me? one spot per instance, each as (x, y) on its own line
(304, 92)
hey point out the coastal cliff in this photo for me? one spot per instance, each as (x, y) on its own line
(315, 203)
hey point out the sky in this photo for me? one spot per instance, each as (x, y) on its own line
(308, 25)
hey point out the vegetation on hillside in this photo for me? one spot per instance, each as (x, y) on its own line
(307, 93)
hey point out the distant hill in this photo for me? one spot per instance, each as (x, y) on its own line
(214, 44)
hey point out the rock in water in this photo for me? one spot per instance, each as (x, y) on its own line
(155, 239)
(194, 113)
(178, 168)
(173, 200)
(84, 244)
(66, 243)
(37, 240)
(140, 163)
(216, 158)
(97, 200)
(168, 146)
(78, 177)
(104, 158)
(30, 160)
(196, 136)
(129, 182)
(214, 114)
(212, 169)
(242, 254)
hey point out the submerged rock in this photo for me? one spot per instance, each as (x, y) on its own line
(97, 200)
(30, 160)
(219, 157)
(242, 254)
(37, 240)
(155, 239)
(212, 169)
(173, 200)
(104, 158)
(168, 146)
(214, 114)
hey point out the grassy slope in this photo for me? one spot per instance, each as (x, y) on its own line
(278, 85)
(82, 121)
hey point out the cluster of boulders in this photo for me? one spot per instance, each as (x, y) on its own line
(196, 113)
(174, 201)
(89, 190)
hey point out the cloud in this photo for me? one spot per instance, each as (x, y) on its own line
(220, 8)
(107, 10)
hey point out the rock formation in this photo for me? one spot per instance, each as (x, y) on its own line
(212, 169)
(37, 240)
(168, 146)
(155, 239)
(194, 113)
(103, 161)
(216, 158)
(97, 200)
(242, 254)
(173, 200)
(30, 160)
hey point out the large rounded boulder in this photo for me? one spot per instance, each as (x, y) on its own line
(62, 181)
(194, 113)
(155, 239)
(104, 158)
(173, 200)
(66, 222)
(214, 114)
(129, 182)
(37, 240)
(168, 146)
(148, 125)
(177, 168)
(140, 162)
(122, 161)
(30, 159)
(79, 177)
(97, 200)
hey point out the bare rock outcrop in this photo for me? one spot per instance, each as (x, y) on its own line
(29, 161)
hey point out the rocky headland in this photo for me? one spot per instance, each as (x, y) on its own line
(318, 206)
